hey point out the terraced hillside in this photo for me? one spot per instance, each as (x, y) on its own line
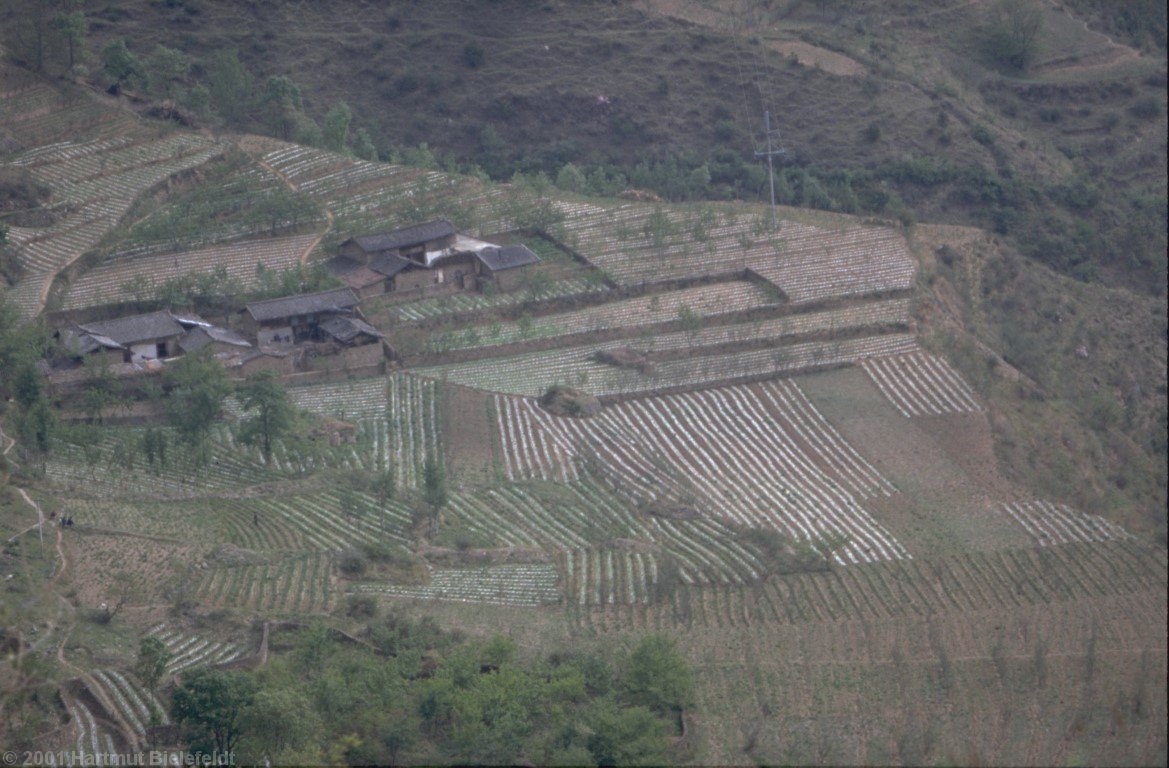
(788, 472)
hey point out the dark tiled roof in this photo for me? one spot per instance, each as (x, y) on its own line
(336, 300)
(389, 264)
(405, 237)
(362, 277)
(340, 265)
(345, 329)
(507, 257)
(200, 337)
(136, 328)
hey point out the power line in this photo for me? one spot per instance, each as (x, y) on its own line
(771, 153)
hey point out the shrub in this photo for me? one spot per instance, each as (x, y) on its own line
(1146, 109)
(353, 563)
(406, 84)
(981, 134)
(473, 55)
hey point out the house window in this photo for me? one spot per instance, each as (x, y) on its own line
(160, 349)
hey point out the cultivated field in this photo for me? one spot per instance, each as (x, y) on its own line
(98, 181)
(721, 452)
(636, 243)
(128, 279)
(530, 374)
(696, 303)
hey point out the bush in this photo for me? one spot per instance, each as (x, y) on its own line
(361, 607)
(981, 134)
(1146, 109)
(473, 55)
(353, 563)
(406, 84)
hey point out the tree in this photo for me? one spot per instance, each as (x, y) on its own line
(153, 657)
(119, 64)
(657, 676)
(279, 723)
(570, 178)
(385, 486)
(363, 147)
(71, 28)
(99, 389)
(230, 86)
(282, 105)
(625, 736)
(37, 427)
(274, 414)
(434, 490)
(337, 127)
(210, 705)
(1010, 36)
(165, 69)
(198, 385)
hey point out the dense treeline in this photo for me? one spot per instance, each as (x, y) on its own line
(408, 692)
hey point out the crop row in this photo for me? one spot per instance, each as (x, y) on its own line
(343, 400)
(117, 170)
(707, 551)
(639, 243)
(91, 737)
(188, 651)
(581, 517)
(138, 707)
(120, 280)
(608, 577)
(723, 451)
(523, 585)
(829, 264)
(414, 426)
(830, 451)
(530, 374)
(1050, 524)
(319, 521)
(299, 583)
(69, 150)
(887, 312)
(427, 309)
(103, 202)
(699, 302)
(919, 384)
(531, 452)
(970, 582)
(116, 467)
(47, 120)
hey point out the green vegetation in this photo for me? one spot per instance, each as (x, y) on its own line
(411, 692)
(1010, 37)
(197, 385)
(273, 418)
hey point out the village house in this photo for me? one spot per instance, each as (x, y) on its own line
(505, 266)
(138, 338)
(291, 319)
(426, 258)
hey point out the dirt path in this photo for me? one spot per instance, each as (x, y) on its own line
(66, 614)
(295, 188)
